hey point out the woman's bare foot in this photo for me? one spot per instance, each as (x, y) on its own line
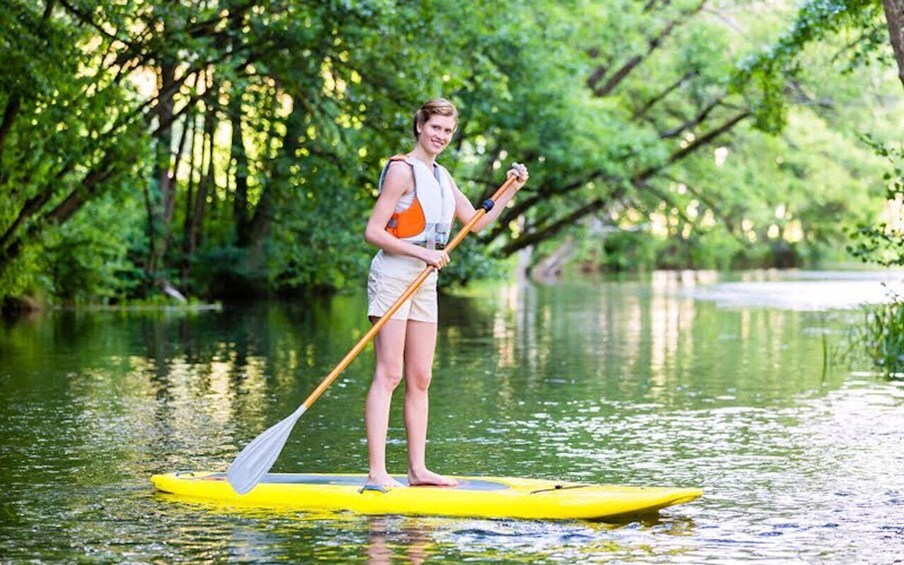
(425, 477)
(382, 480)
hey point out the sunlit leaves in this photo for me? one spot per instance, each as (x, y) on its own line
(285, 110)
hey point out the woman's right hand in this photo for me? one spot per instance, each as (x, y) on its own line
(519, 172)
(435, 257)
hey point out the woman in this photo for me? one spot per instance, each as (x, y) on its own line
(410, 224)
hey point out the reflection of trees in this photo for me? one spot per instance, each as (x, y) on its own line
(617, 341)
(512, 361)
(597, 374)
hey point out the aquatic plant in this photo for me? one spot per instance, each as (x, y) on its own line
(881, 337)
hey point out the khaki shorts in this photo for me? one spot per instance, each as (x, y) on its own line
(383, 291)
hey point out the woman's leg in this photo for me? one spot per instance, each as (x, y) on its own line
(420, 343)
(389, 345)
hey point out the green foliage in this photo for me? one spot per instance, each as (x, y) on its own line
(255, 170)
(470, 262)
(764, 75)
(881, 337)
(629, 251)
(65, 141)
(883, 242)
(89, 259)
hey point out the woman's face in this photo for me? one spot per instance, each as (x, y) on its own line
(436, 134)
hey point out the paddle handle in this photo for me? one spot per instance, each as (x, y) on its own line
(412, 288)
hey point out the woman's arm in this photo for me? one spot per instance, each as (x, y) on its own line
(399, 180)
(464, 210)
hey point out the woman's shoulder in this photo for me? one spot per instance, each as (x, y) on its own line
(398, 165)
(398, 173)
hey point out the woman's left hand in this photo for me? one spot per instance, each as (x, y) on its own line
(519, 171)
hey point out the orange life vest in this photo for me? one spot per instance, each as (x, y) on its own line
(428, 220)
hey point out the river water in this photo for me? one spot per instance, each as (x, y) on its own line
(732, 384)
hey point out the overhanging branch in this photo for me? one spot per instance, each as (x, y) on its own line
(654, 43)
(553, 228)
(695, 121)
(696, 144)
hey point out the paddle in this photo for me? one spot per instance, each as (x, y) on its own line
(258, 456)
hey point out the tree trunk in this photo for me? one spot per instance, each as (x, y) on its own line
(161, 201)
(189, 200)
(240, 201)
(262, 220)
(9, 116)
(894, 17)
(196, 208)
(551, 266)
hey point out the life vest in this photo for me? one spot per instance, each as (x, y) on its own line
(428, 220)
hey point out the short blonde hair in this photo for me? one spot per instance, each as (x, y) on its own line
(430, 108)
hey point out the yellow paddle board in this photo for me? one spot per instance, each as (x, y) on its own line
(484, 497)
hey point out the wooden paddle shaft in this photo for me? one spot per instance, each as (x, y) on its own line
(412, 288)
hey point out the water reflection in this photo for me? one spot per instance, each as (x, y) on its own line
(631, 382)
(393, 539)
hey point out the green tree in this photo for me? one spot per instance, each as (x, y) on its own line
(244, 137)
(66, 136)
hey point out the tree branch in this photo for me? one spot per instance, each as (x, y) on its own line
(652, 4)
(31, 207)
(11, 246)
(693, 122)
(711, 205)
(691, 147)
(639, 179)
(86, 19)
(671, 88)
(707, 138)
(555, 227)
(522, 205)
(632, 63)
(78, 196)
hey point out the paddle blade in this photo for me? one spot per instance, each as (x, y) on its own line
(258, 456)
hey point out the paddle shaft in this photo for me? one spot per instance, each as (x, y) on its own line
(412, 288)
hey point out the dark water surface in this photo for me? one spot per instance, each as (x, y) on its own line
(676, 380)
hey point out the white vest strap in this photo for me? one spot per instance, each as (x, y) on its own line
(434, 192)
